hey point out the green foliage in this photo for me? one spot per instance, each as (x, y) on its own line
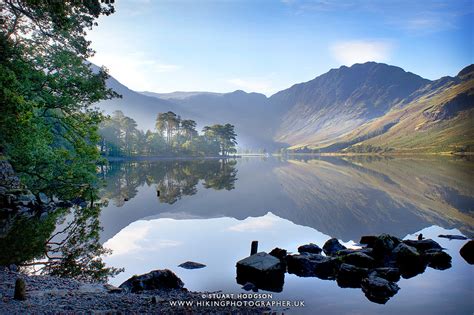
(173, 137)
(48, 128)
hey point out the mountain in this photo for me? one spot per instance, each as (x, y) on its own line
(437, 118)
(365, 107)
(320, 110)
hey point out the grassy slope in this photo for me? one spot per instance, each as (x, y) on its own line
(412, 130)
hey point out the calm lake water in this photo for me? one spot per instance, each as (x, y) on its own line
(209, 211)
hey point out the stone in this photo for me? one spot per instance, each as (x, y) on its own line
(313, 265)
(368, 240)
(20, 290)
(378, 290)
(359, 259)
(154, 280)
(437, 259)
(408, 260)
(388, 273)
(423, 245)
(192, 265)
(453, 237)
(350, 276)
(265, 271)
(467, 252)
(332, 246)
(310, 248)
(384, 244)
(279, 253)
(249, 286)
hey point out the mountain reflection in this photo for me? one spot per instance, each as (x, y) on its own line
(341, 197)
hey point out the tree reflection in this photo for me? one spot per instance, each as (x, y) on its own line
(173, 179)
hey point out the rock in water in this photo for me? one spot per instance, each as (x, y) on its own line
(350, 276)
(332, 246)
(423, 245)
(359, 259)
(437, 259)
(279, 253)
(408, 260)
(313, 265)
(378, 290)
(467, 252)
(384, 244)
(388, 273)
(453, 237)
(191, 265)
(20, 290)
(154, 280)
(265, 271)
(310, 248)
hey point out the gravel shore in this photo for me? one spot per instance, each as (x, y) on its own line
(52, 295)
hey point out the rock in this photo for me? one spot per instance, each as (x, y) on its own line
(191, 265)
(423, 245)
(378, 290)
(388, 273)
(13, 268)
(369, 240)
(350, 276)
(437, 259)
(265, 271)
(249, 286)
(367, 251)
(384, 244)
(313, 265)
(43, 216)
(359, 259)
(20, 290)
(154, 280)
(467, 252)
(453, 237)
(64, 204)
(279, 253)
(408, 260)
(310, 248)
(27, 199)
(112, 289)
(42, 198)
(332, 246)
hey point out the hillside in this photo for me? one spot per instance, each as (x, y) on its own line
(318, 111)
(439, 118)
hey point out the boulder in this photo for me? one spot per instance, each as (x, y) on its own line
(154, 280)
(350, 276)
(191, 265)
(388, 273)
(378, 290)
(310, 248)
(265, 271)
(42, 198)
(359, 259)
(408, 260)
(332, 246)
(437, 259)
(313, 265)
(384, 244)
(453, 237)
(467, 252)
(368, 240)
(423, 245)
(279, 253)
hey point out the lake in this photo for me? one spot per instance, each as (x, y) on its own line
(209, 211)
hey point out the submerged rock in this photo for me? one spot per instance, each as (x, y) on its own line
(310, 248)
(332, 246)
(313, 265)
(154, 280)
(191, 265)
(378, 290)
(467, 252)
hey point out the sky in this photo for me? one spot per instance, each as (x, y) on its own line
(267, 46)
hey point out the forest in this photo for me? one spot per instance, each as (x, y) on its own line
(173, 136)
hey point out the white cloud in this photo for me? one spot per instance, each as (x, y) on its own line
(266, 222)
(358, 51)
(134, 69)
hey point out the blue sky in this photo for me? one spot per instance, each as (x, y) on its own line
(266, 46)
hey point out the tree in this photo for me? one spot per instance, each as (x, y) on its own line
(48, 128)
